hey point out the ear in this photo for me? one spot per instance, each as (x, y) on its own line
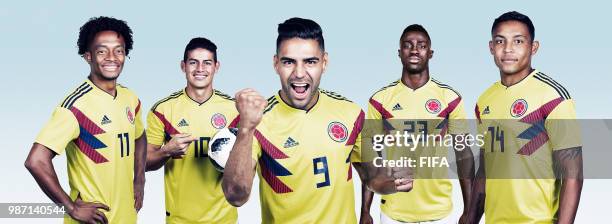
(217, 66)
(183, 66)
(491, 47)
(325, 61)
(399, 54)
(534, 47)
(275, 62)
(87, 57)
(431, 52)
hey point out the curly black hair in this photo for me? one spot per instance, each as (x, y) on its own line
(98, 24)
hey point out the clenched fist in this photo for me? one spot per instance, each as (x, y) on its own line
(250, 105)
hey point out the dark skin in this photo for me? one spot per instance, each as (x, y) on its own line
(512, 48)
(415, 52)
(105, 57)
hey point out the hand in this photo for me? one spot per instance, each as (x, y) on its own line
(365, 218)
(87, 212)
(403, 185)
(138, 193)
(250, 105)
(177, 146)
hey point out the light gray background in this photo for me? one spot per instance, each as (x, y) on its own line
(40, 64)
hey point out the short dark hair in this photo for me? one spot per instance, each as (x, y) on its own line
(200, 42)
(415, 28)
(91, 28)
(514, 16)
(300, 28)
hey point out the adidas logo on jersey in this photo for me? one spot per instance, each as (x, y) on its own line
(105, 120)
(486, 110)
(397, 107)
(183, 123)
(290, 143)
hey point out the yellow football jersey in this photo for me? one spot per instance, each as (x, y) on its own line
(304, 160)
(523, 125)
(192, 184)
(97, 133)
(434, 108)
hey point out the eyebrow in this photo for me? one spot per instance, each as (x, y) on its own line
(311, 59)
(515, 36)
(193, 59)
(286, 59)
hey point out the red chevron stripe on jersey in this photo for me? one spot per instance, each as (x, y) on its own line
(269, 148)
(86, 142)
(450, 108)
(379, 107)
(537, 134)
(168, 128)
(357, 126)
(137, 108)
(542, 112)
(276, 184)
(270, 168)
(234, 122)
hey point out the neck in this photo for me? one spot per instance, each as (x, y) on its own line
(415, 80)
(199, 95)
(108, 86)
(308, 106)
(514, 78)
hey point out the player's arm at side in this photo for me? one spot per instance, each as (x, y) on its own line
(476, 206)
(564, 135)
(458, 128)
(240, 167)
(61, 129)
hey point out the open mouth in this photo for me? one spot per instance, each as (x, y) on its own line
(300, 89)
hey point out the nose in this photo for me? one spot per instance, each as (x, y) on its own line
(200, 67)
(300, 70)
(508, 47)
(111, 56)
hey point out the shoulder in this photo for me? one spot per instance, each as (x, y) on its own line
(550, 86)
(166, 100)
(339, 101)
(75, 95)
(223, 96)
(447, 89)
(384, 91)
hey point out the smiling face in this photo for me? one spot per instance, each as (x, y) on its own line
(200, 68)
(512, 47)
(106, 55)
(415, 52)
(300, 64)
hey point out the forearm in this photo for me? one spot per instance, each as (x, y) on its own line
(44, 173)
(465, 170)
(366, 198)
(156, 157)
(478, 193)
(240, 169)
(140, 158)
(569, 200)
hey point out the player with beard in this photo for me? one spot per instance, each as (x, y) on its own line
(98, 127)
(432, 107)
(301, 141)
